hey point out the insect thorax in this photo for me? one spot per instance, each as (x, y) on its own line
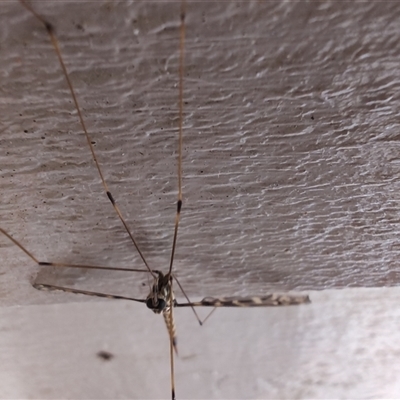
(159, 298)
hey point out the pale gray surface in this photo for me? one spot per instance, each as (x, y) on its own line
(290, 182)
(344, 345)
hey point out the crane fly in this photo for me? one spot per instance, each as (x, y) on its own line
(161, 298)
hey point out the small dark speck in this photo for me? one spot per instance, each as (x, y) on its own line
(25, 131)
(201, 172)
(141, 153)
(105, 355)
(93, 142)
(312, 117)
(80, 27)
(43, 137)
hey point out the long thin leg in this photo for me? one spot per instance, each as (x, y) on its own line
(45, 286)
(179, 202)
(64, 265)
(187, 298)
(181, 72)
(270, 300)
(54, 41)
(254, 301)
(172, 345)
(28, 253)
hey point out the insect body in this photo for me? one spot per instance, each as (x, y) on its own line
(161, 298)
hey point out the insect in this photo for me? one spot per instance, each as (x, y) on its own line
(161, 298)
